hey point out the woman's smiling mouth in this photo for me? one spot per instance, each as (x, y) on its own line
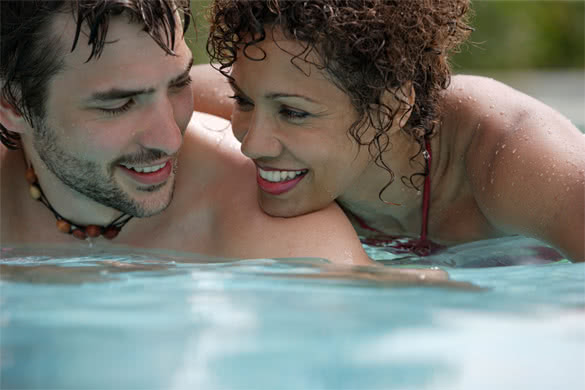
(276, 182)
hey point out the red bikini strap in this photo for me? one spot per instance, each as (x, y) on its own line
(426, 190)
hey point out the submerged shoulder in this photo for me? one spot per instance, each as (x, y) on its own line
(324, 234)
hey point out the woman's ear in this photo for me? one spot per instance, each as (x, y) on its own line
(407, 97)
(11, 118)
(401, 101)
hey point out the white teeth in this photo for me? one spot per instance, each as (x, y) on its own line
(278, 176)
(152, 168)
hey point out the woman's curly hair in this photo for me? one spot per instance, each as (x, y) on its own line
(366, 47)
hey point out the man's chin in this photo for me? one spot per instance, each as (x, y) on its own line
(151, 203)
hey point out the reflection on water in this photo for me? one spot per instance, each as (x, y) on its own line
(145, 320)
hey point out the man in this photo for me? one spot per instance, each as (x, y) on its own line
(96, 101)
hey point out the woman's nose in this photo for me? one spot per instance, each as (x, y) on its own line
(258, 136)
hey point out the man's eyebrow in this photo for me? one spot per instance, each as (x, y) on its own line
(118, 94)
(183, 75)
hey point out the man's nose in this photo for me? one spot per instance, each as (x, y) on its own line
(161, 129)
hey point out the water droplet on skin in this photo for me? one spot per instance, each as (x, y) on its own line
(492, 106)
(497, 151)
(503, 146)
(459, 100)
(492, 181)
(513, 151)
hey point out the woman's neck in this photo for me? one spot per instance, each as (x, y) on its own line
(399, 211)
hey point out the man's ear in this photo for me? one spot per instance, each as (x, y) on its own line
(401, 99)
(11, 118)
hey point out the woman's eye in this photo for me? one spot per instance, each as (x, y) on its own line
(293, 115)
(120, 109)
(242, 103)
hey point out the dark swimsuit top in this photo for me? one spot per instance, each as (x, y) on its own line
(396, 244)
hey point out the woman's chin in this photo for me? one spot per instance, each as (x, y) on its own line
(285, 208)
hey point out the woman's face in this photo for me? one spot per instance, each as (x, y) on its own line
(294, 124)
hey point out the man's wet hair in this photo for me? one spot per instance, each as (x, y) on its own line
(30, 55)
(365, 47)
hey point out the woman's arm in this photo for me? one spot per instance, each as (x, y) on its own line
(210, 91)
(526, 164)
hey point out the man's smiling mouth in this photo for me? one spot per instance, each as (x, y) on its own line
(146, 169)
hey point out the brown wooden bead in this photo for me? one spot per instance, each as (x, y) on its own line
(63, 226)
(30, 175)
(35, 192)
(111, 232)
(79, 233)
(93, 231)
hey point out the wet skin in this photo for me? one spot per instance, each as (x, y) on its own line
(503, 163)
(115, 129)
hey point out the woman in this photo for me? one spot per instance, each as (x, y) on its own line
(352, 101)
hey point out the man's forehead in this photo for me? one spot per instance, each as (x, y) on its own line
(63, 29)
(131, 59)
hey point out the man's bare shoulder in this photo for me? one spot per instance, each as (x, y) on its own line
(209, 145)
(325, 234)
(210, 164)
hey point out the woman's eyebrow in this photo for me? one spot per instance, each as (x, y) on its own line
(273, 95)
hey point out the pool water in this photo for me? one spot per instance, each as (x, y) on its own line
(138, 320)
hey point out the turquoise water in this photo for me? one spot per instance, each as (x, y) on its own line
(153, 321)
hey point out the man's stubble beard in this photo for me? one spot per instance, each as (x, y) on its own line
(86, 177)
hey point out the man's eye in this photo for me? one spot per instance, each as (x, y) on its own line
(183, 83)
(119, 110)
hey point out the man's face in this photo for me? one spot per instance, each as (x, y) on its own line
(114, 126)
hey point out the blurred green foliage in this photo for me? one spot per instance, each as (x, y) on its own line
(525, 34)
(509, 34)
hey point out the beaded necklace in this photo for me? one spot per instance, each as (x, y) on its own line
(81, 232)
